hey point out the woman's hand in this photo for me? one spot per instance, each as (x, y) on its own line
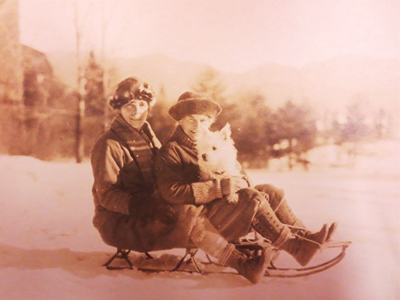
(142, 205)
(232, 185)
(232, 198)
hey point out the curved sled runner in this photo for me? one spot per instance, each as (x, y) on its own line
(274, 271)
(188, 263)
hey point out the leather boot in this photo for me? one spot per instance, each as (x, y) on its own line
(252, 269)
(309, 235)
(331, 230)
(286, 216)
(205, 237)
(275, 197)
(269, 226)
(303, 249)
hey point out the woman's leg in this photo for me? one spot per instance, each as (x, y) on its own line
(205, 237)
(270, 227)
(284, 212)
(280, 206)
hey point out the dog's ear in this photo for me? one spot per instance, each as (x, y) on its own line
(226, 131)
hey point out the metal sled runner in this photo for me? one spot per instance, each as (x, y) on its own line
(248, 247)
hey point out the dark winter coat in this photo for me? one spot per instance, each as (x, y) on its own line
(127, 214)
(180, 181)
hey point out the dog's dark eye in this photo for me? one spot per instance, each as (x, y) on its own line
(214, 148)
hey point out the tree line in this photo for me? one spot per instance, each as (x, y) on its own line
(291, 130)
(260, 132)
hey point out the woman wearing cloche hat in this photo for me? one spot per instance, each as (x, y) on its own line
(124, 203)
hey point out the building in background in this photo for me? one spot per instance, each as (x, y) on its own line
(11, 79)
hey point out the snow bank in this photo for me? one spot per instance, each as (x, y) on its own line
(50, 250)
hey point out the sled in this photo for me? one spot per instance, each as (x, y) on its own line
(190, 264)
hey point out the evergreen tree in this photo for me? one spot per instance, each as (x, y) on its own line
(161, 122)
(380, 123)
(94, 103)
(210, 83)
(94, 88)
(355, 129)
(253, 123)
(296, 128)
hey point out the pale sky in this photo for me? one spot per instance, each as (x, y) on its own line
(231, 35)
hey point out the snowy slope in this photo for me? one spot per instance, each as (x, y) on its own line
(50, 250)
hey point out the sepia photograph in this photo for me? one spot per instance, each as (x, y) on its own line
(205, 149)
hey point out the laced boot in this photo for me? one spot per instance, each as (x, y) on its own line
(281, 208)
(311, 236)
(331, 230)
(303, 249)
(286, 216)
(252, 269)
(269, 226)
(205, 237)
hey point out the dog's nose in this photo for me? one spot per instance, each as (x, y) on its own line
(204, 157)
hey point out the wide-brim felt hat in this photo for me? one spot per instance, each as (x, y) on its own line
(192, 103)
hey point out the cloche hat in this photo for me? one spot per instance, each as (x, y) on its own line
(129, 89)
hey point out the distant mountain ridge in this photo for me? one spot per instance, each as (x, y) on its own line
(333, 83)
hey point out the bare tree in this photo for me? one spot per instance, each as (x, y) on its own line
(80, 115)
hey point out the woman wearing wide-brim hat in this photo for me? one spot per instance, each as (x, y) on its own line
(180, 180)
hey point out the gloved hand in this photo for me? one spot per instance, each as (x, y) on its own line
(231, 185)
(142, 205)
(232, 198)
(166, 214)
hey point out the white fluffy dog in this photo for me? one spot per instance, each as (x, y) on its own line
(217, 155)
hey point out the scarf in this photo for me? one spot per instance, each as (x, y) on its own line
(181, 138)
(142, 144)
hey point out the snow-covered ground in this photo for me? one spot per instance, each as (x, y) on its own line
(50, 250)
